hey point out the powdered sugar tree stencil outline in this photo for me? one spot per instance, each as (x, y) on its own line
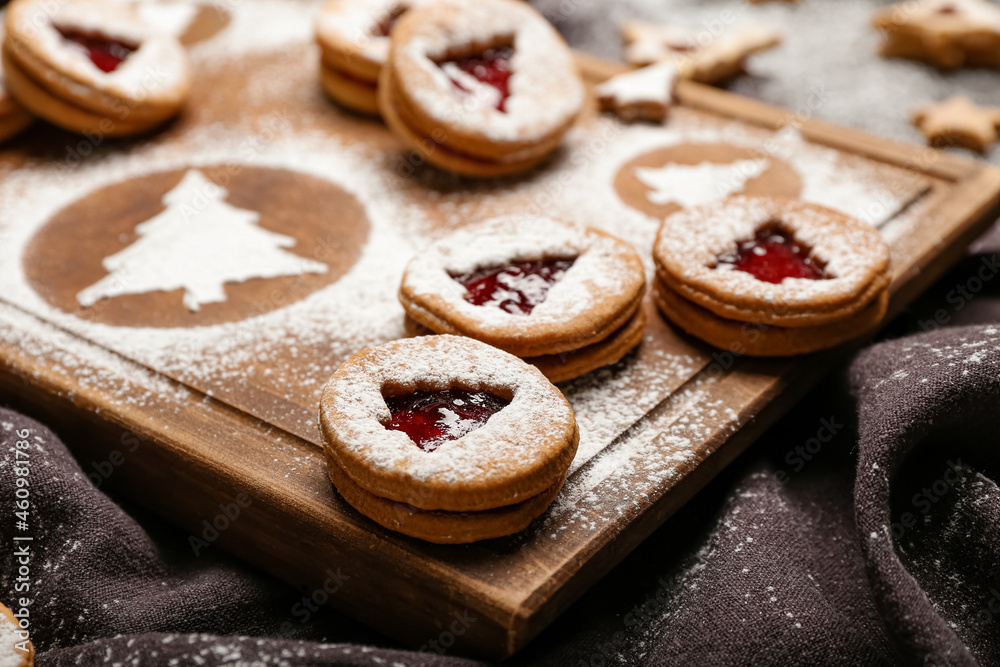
(689, 185)
(198, 244)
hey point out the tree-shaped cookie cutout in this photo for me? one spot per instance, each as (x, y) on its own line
(198, 244)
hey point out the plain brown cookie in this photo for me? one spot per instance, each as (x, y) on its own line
(958, 121)
(945, 33)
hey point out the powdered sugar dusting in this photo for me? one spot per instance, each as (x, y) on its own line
(607, 398)
(845, 182)
(871, 192)
(979, 348)
(292, 351)
(171, 17)
(10, 655)
(700, 184)
(649, 458)
(179, 248)
(654, 84)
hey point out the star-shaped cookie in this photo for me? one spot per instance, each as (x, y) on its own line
(699, 55)
(945, 33)
(642, 94)
(958, 121)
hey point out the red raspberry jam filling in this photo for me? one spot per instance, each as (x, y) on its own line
(104, 52)
(432, 418)
(771, 256)
(516, 288)
(491, 69)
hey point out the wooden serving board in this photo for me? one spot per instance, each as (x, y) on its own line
(212, 406)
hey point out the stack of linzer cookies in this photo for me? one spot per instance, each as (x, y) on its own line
(504, 307)
(457, 434)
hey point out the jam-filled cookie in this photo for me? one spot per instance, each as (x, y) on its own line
(564, 298)
(13, 116)
(93, 66)
(767, 276)
(945, 33)
(353, 36)
(445, 438)
(15, 650)
(479, 87)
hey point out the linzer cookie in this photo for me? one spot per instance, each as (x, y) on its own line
(93, 66)
(767, 276)
(353, 36)
(945, 33)
(564, 298)
(697, 56)
(445, 438)
(13, 116)
(15, 647)
(479, 87)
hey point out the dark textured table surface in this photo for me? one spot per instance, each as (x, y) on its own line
(828, 64)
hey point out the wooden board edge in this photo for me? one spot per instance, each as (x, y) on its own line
(37, 392)
(540, 609)
(978, 206)
(724, 446)
(720, 102)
